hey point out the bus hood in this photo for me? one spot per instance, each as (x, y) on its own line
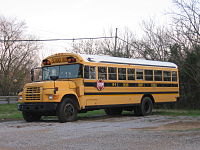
(61, 85)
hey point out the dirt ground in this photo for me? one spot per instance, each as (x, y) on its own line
(104, 133)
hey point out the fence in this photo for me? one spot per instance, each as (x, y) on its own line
(8, 99)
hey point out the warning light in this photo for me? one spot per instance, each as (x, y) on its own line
(71, 59)
(46, 62)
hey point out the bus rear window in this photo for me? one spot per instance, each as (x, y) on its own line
(174, 76)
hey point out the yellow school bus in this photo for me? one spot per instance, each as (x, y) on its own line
(73, 83)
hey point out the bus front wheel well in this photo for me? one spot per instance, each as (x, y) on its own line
(72, 97)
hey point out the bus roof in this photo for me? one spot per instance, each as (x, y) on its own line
(128, 61)
(113, 60)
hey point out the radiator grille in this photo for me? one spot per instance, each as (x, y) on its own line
(33, 93)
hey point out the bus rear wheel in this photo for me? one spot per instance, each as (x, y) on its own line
(145, 107)
(31, 116)
(113, 111)
(67, 110)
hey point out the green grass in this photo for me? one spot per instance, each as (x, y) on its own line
(9, 112)
(92, 113)
(175, 112)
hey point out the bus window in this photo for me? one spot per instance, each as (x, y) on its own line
(89, 72)
(102, 73)
(167, 75)
(112, 73)
(139, 74)
(174, 76)
(157, 75)
(122, 73)
(148, 75)
(131, 74)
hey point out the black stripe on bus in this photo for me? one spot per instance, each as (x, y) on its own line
(125, 93)
(94, 84)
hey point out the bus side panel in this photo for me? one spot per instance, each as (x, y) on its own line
(128, 95)
(162, 98)
(113, 99)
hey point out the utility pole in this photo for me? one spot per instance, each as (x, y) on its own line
(115, 48)
(127, 48)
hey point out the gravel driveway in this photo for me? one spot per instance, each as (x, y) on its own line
(104, 133)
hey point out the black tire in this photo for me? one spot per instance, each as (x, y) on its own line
(31, 116)
(137, 111)
(113, 111)
(67, 110)
(145, 107)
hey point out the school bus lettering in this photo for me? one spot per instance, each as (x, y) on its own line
(114, 84)
(125, 84)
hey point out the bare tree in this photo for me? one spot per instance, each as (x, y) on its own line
(187, 21)
(155, 42)
(16, 58)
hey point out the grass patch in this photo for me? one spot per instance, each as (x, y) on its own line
(9, 111)
(92, 113)
(175, 112)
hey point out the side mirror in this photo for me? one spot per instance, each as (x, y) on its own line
(54, 78)
(32, 74)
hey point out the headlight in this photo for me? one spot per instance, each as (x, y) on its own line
(20, 98)
(50, 97)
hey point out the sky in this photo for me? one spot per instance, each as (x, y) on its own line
(47, 19)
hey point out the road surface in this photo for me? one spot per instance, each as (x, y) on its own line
(103, 133)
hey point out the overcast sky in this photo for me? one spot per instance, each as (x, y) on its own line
(82, 18)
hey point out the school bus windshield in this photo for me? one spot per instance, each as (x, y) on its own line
(63, 71)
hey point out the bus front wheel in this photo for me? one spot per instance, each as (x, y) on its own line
(145, 107)
(67, 110)
(31, 116)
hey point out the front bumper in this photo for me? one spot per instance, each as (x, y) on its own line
(38, 107)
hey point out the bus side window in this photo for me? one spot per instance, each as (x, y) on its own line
(174, 76)
(157, 75)
(102, 73)
(112, 73)
(89, 72)
(139, 74)
(148, 75)
(131, 74)
(167, 75)
(122, 73)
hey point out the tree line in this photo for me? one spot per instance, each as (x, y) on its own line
(16, 58)
(177, 42)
